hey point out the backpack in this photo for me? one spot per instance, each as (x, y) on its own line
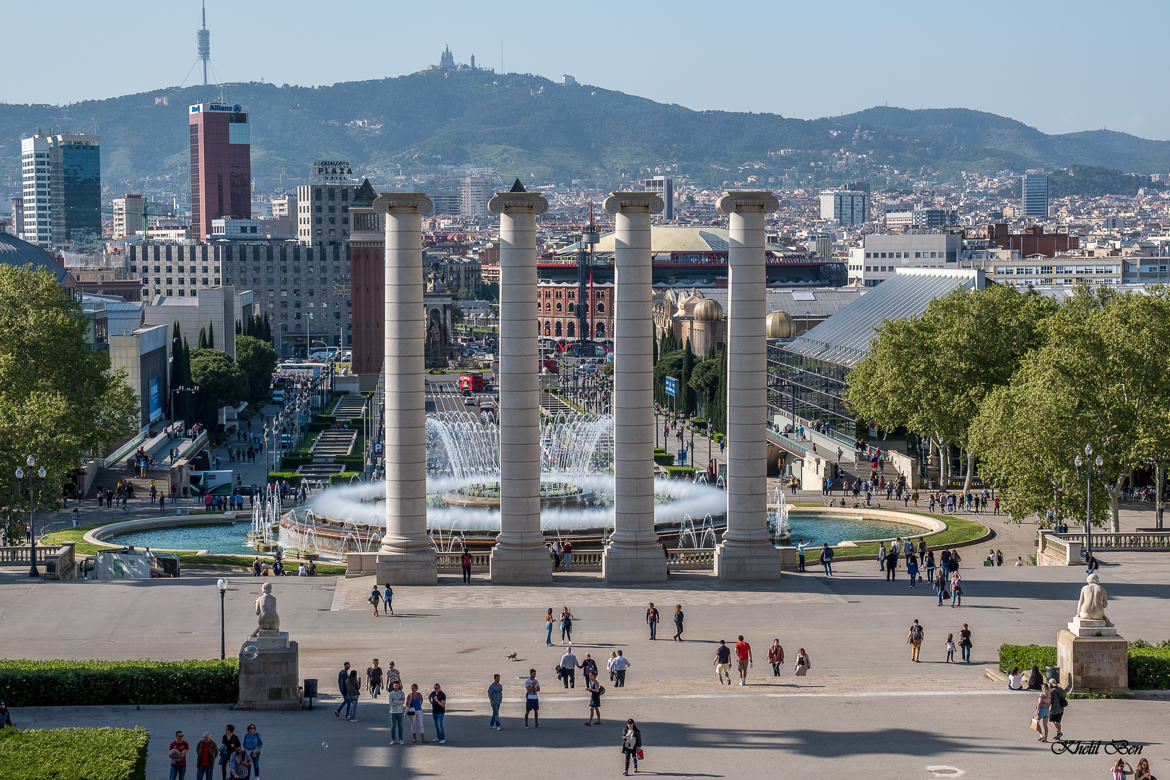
(915, 632)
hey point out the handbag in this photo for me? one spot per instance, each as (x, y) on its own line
(641, 754)
(1036, 725)
(801, 670)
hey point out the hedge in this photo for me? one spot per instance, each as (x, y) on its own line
(28, 683)
(293, 477)
(680, 472)
(291, 461)
(664, 459)
(353, 461)
(343, 477)
(1149, 665)
(74, 754)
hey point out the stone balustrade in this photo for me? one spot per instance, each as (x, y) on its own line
(678, 559)
(1065, 549)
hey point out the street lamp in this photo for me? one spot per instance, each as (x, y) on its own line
(221, 583)
(1091, 470)
(32, 531)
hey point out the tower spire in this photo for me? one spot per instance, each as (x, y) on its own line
(203, 42)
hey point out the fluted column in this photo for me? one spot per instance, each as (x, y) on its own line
(519, 556)
(633, 554)
(746, 551)
(406, 556)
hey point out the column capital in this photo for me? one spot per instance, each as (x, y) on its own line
(403, 201)
(502, 202)
(623, 201)
(747, 200)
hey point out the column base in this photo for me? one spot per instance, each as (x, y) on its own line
(643, 563)
(416, 568)
(520, 567)
(1092, 664)
(739, 561)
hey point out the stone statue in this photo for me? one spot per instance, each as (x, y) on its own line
(266, 609)
(1093, 601)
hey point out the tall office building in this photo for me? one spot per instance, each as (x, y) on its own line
(221, 165)
(17, 226)
(663, 187)
(62, 184)
(1034, 198)
(323, 203)
(847, 207)
(474, 194)
(129, 216)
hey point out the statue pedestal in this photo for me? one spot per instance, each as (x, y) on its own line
(271, 680)
(415, 568)
(1086, 627)
(1092, 664)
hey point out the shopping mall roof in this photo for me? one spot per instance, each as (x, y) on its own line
(665, 239)
(14, 251)
(844, 337)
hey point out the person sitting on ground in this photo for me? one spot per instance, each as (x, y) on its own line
(1035, 679)
(1015, 679)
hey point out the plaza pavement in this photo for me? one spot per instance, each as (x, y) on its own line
(864, 710)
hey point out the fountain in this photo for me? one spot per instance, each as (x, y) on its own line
(778, 525)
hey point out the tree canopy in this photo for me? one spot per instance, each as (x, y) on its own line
(220, 381)
(257, 359)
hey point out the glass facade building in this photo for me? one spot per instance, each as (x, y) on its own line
(80, 212)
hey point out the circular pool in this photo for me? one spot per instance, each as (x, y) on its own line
(830, 528)
(222, 538)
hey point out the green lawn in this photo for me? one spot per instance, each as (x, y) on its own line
(958, 531)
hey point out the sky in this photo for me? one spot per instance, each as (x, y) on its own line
(1058, 66)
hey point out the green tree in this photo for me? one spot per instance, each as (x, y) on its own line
(706, 380)
(211, 335)
(257, 359)
(930, 374)
(183, 406)
(59, 400)
(220, 382)
(203, 338)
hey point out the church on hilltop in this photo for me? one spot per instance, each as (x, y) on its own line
(447, 63)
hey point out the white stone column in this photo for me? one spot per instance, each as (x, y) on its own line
(633, 554)
(746, 552)
(406, 556)
(519, 556)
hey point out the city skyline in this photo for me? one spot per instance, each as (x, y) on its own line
(805, 69)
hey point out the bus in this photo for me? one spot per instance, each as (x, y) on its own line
(472, 383)
(300, 369)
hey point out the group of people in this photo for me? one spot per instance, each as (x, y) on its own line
(238, 759)
(917, 635)
(561, 553)
(744, 660)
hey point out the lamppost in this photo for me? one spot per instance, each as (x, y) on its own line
(174, 391)
(1091, 470)
(32, 531)
(221, 583)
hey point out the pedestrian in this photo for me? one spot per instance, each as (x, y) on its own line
(678, 622)
(438, 701)
(776, 657)
(252, 745)
(914, 638)
(414, 706)
(800, 548)
(631, 745)
(76, 516)
(965, 643)
(239, 767)
(548, 627)
(227, 748)
(588, 666)
(495, 693)
(881, 556)
(353, 687)
(1035, 679)
(892, 563)
(950, 647)
(177, 752)
(531, 698)
(595, 691)
(205, 753)
(929, 563)
(568, 668)
(803, 664)
(1058, 705)
(956, 590)
(342, 678)
(374, 599)
(1043, 710)
(566, 626)
(722, 662)
(1142, 770)
(827, 559)
(567, 555)
(940, 586)
(387, 593)
(465, 564)
(743, 655)
(393, 675)
(912, 569)
(397, 700)
(609, 663)
(374, 679)
(652, 621)
(1121, 769)
(620, 665)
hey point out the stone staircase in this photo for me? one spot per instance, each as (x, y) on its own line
(349, 406)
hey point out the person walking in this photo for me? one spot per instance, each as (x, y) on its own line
(881, 556)
(495, 693)
(205, 754)
(803, 664)
(722, 662)
(177, 752)
(374, 679)
(631, 744)
(568, 668)
(950, 645)
(776, 657)
(548, 627)
(1057, 707)
(353, 687)
(652, 620)
(393, 675)
(239, 767)
(566, 626)
(595, 691)
(228, 745)
(397, 701)
(965, 643)
(914, 638)
(678, 622)
(940, 587)
(387, 598)
(532, 698)
(620, 665)
(1043, 710)
(342, 679)
(609, 663)
(928, 562)
(414, 706)
(252, 746)
(465, 565)
(438, 701)
(827, 559)
(956, 590)
(892, 563)
(743, 655)
(912, 569)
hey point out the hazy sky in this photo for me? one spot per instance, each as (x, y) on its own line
(1059, 66)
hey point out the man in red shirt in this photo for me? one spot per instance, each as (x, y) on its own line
(178, 755)
(743, 652)
(206, 753)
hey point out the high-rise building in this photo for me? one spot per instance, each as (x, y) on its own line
(1034, 198)
(847, 207)
(663, 187)
(62, 184)
(129, 215)
(17, 226)
(474, 194)
(323, 203)
(447, 204)
(221, 165)
(285, 206)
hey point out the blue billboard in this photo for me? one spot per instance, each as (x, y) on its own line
(154, 403)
